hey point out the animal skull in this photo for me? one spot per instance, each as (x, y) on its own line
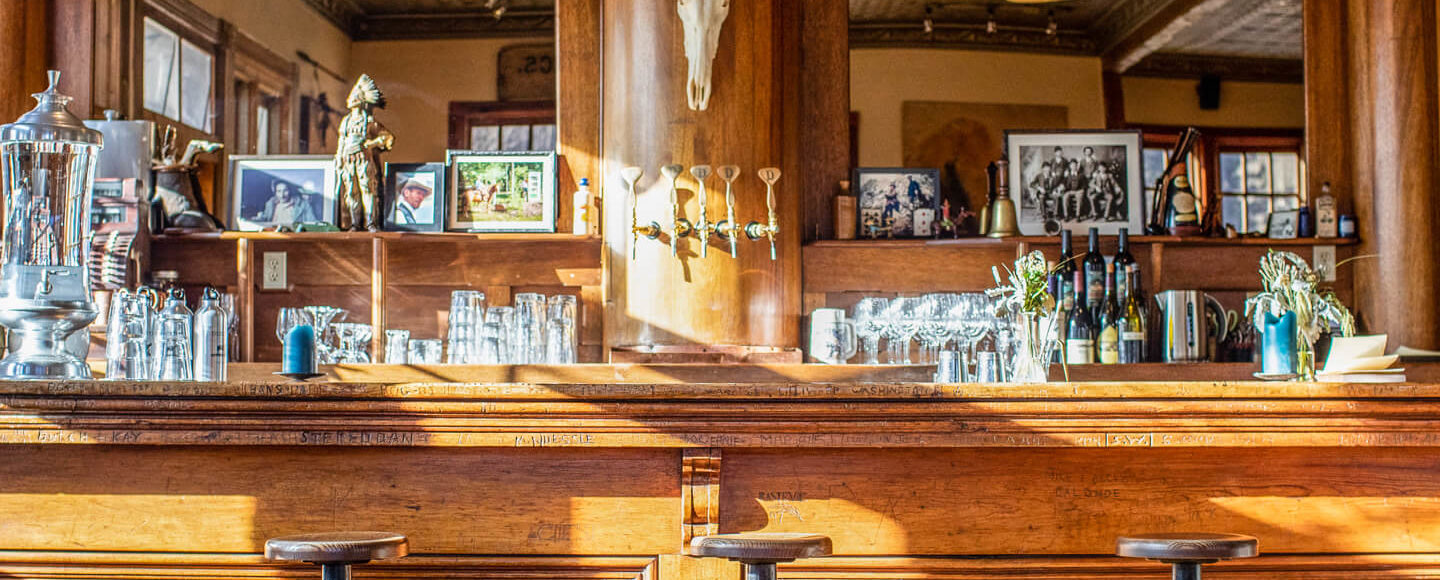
(702, 20)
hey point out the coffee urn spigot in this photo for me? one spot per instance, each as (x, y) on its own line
(47, 165)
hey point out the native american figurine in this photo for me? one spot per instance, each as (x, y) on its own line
(357, 157)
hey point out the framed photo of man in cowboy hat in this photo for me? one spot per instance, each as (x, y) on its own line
(414, 197)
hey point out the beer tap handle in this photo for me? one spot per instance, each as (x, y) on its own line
(632, 175)
(729, 173)
(679, 226)
(703, 227)
(755, 230)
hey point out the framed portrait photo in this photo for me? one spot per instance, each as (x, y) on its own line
(1283, 225)
(269, 191)
(493, 191)
(1076, 180)
(414, 198)
(896, 202)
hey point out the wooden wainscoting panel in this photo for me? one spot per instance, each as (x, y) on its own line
(1048, 502)
(499, 501)
(882, 266)
(312, 262)
(198, 260)
(699, 494)
(446, 261)
(180, 566)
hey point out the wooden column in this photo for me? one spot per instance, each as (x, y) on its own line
(22, 55)
(754, 120)
(1403, 82)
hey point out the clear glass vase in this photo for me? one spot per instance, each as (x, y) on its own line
(1035, 339)
(1304, 360)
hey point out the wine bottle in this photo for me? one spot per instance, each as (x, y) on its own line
(1107, 340)
(1134, 333)
(1094, 267)
(1123, 261)
(1065, 274)
(1080, 332)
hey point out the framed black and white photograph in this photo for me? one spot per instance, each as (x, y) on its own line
(897, 202)
(1076, 180)
(501, 191)
(1284, 225)
(414, 197)
(271, 191)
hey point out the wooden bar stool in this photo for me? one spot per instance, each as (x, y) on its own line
(335, 552)
(759, 552)
(1186, 552)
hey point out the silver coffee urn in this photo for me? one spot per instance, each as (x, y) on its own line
(47, 163)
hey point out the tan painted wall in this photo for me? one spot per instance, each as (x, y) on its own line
(420, 78)
(882, 79)
(1155, 101)
(287, 26)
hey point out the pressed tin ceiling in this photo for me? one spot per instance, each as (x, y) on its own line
(1267, 32)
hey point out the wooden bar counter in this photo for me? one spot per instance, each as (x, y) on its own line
(610, 480)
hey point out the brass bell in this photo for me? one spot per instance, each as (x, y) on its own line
(1002, 222)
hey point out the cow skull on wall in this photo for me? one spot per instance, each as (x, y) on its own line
(702, 19)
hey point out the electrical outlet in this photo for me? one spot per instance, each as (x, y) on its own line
(1324, 263)
(272, 271)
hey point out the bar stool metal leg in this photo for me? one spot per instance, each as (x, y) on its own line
(1184, 571)
(334, 572)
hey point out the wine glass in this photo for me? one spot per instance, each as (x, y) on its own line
(289, 319)
(902, 321)
(934, 326)
(321, 317)
(869, 317)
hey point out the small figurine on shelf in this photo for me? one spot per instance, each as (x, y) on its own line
(357, 157)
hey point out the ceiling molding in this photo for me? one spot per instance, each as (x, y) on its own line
(1190, 66)
(451, 26)
(971, 37)
(343, 13)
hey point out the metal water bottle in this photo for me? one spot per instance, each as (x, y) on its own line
(212, 338)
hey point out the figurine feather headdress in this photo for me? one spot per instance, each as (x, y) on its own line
(365, 91)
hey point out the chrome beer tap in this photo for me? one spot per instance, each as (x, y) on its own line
(679, 226)
(726, 228)
(703, 227)
(651, 230)
(757, 230)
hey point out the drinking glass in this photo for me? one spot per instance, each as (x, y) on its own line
(424, 351)
(902, 322)
(868, 316)
(396, 341)
(126, 334)
(467, 312)
(495, 336)
(562, 313)
(321, 317)
(289, 319)
(354, 342)
(528, 342)
(935, 324)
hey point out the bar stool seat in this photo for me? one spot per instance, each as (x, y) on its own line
(1185, 552)
(1197, 547)
(338, 547)
(759, 547)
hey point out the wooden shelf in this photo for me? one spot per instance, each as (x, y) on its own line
(1080, 242)
(366, 236)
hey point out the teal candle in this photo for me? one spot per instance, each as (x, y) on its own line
(299, 351)
(1277, 353)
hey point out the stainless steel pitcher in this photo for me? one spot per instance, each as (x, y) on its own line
(1185, 328)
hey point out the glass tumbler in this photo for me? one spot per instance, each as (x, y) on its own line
(562, 340)
(467, 311)
(495, 336)
(424, 351)
(528, 338)
(396, 342)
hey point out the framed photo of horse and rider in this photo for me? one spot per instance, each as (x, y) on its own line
(472, 191)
